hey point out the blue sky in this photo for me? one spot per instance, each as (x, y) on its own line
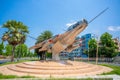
(56, 15)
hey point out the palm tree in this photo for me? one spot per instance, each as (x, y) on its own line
(43, 36)
(16, 34)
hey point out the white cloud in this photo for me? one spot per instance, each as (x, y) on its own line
(114, 28)
(110, 28)
(69, 24)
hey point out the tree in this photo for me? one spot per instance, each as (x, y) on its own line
(1, 48)
(108, 45)
(106, 40)
(86, 51)
(21, 50)
(8, 50)
(43, 36)
(15, 34)
(92, 47)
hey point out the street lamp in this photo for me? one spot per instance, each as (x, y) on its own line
(88, 53)
(97, 39)
(97, 51)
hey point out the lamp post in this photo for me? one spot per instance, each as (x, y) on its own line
(97, 51)
(88, 53)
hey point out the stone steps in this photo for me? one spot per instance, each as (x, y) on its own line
(56, 64)
(34, 71)
(67, 67)
(55, 69)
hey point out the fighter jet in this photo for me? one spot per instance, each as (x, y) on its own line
(65, 41)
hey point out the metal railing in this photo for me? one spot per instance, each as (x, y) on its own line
(94, 59)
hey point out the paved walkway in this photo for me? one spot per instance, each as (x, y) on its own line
(114, 77)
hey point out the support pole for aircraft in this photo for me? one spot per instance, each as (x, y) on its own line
(55, 56)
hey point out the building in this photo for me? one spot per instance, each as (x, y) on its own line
(76, 52)
(117, 42)
(85, 39)
(83, 42)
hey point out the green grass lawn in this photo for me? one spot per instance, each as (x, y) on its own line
(116, 69)
(13, 76)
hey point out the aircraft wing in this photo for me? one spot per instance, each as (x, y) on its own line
(37, 45)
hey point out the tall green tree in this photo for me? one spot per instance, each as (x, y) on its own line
(21, 50)
(43, 36)
(92, 47)
(108, 46)
(8, 50)
(1, 48)
(15, 34)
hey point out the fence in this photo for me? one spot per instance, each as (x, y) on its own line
(94, 59)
